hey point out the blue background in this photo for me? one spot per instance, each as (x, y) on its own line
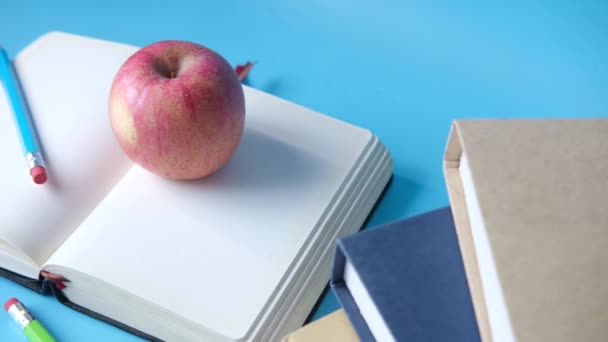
(404, 69)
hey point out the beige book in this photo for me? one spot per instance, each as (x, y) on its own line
(530, 203)
(334, 327)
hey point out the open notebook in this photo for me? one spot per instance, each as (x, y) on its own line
(241, 255)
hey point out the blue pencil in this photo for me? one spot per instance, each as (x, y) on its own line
(25, 126)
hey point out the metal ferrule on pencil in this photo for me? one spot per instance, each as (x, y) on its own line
(20, 314)
(34, 159)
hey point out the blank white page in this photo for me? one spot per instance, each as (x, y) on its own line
(66, 80)
(214, 250)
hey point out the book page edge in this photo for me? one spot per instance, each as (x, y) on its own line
(461, 222)
(497, 313)
(366, 305)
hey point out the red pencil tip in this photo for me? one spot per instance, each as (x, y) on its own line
(243, 70)
(38, 174)
(10, 302)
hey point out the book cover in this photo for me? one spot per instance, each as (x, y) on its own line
(405, 281)
(334, 327)
(528, 197)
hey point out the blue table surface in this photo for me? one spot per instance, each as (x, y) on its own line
(404, 69)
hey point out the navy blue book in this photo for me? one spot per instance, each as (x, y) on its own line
(405, 281)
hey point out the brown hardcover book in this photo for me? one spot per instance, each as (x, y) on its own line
(530, 202)
(334, 327)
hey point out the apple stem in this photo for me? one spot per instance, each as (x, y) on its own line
(172, 74)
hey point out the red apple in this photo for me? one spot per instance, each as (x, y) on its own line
(177, 109)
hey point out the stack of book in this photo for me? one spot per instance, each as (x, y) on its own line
(520, 254)
(404, 281)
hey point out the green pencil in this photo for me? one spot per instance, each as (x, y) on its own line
(32, 328)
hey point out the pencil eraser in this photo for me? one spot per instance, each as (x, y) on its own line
(38, 174)
(10, 302)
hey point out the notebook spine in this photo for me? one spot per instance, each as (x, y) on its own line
(32, 284)
(58, 293)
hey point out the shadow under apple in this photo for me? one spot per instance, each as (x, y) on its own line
(262, 161)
